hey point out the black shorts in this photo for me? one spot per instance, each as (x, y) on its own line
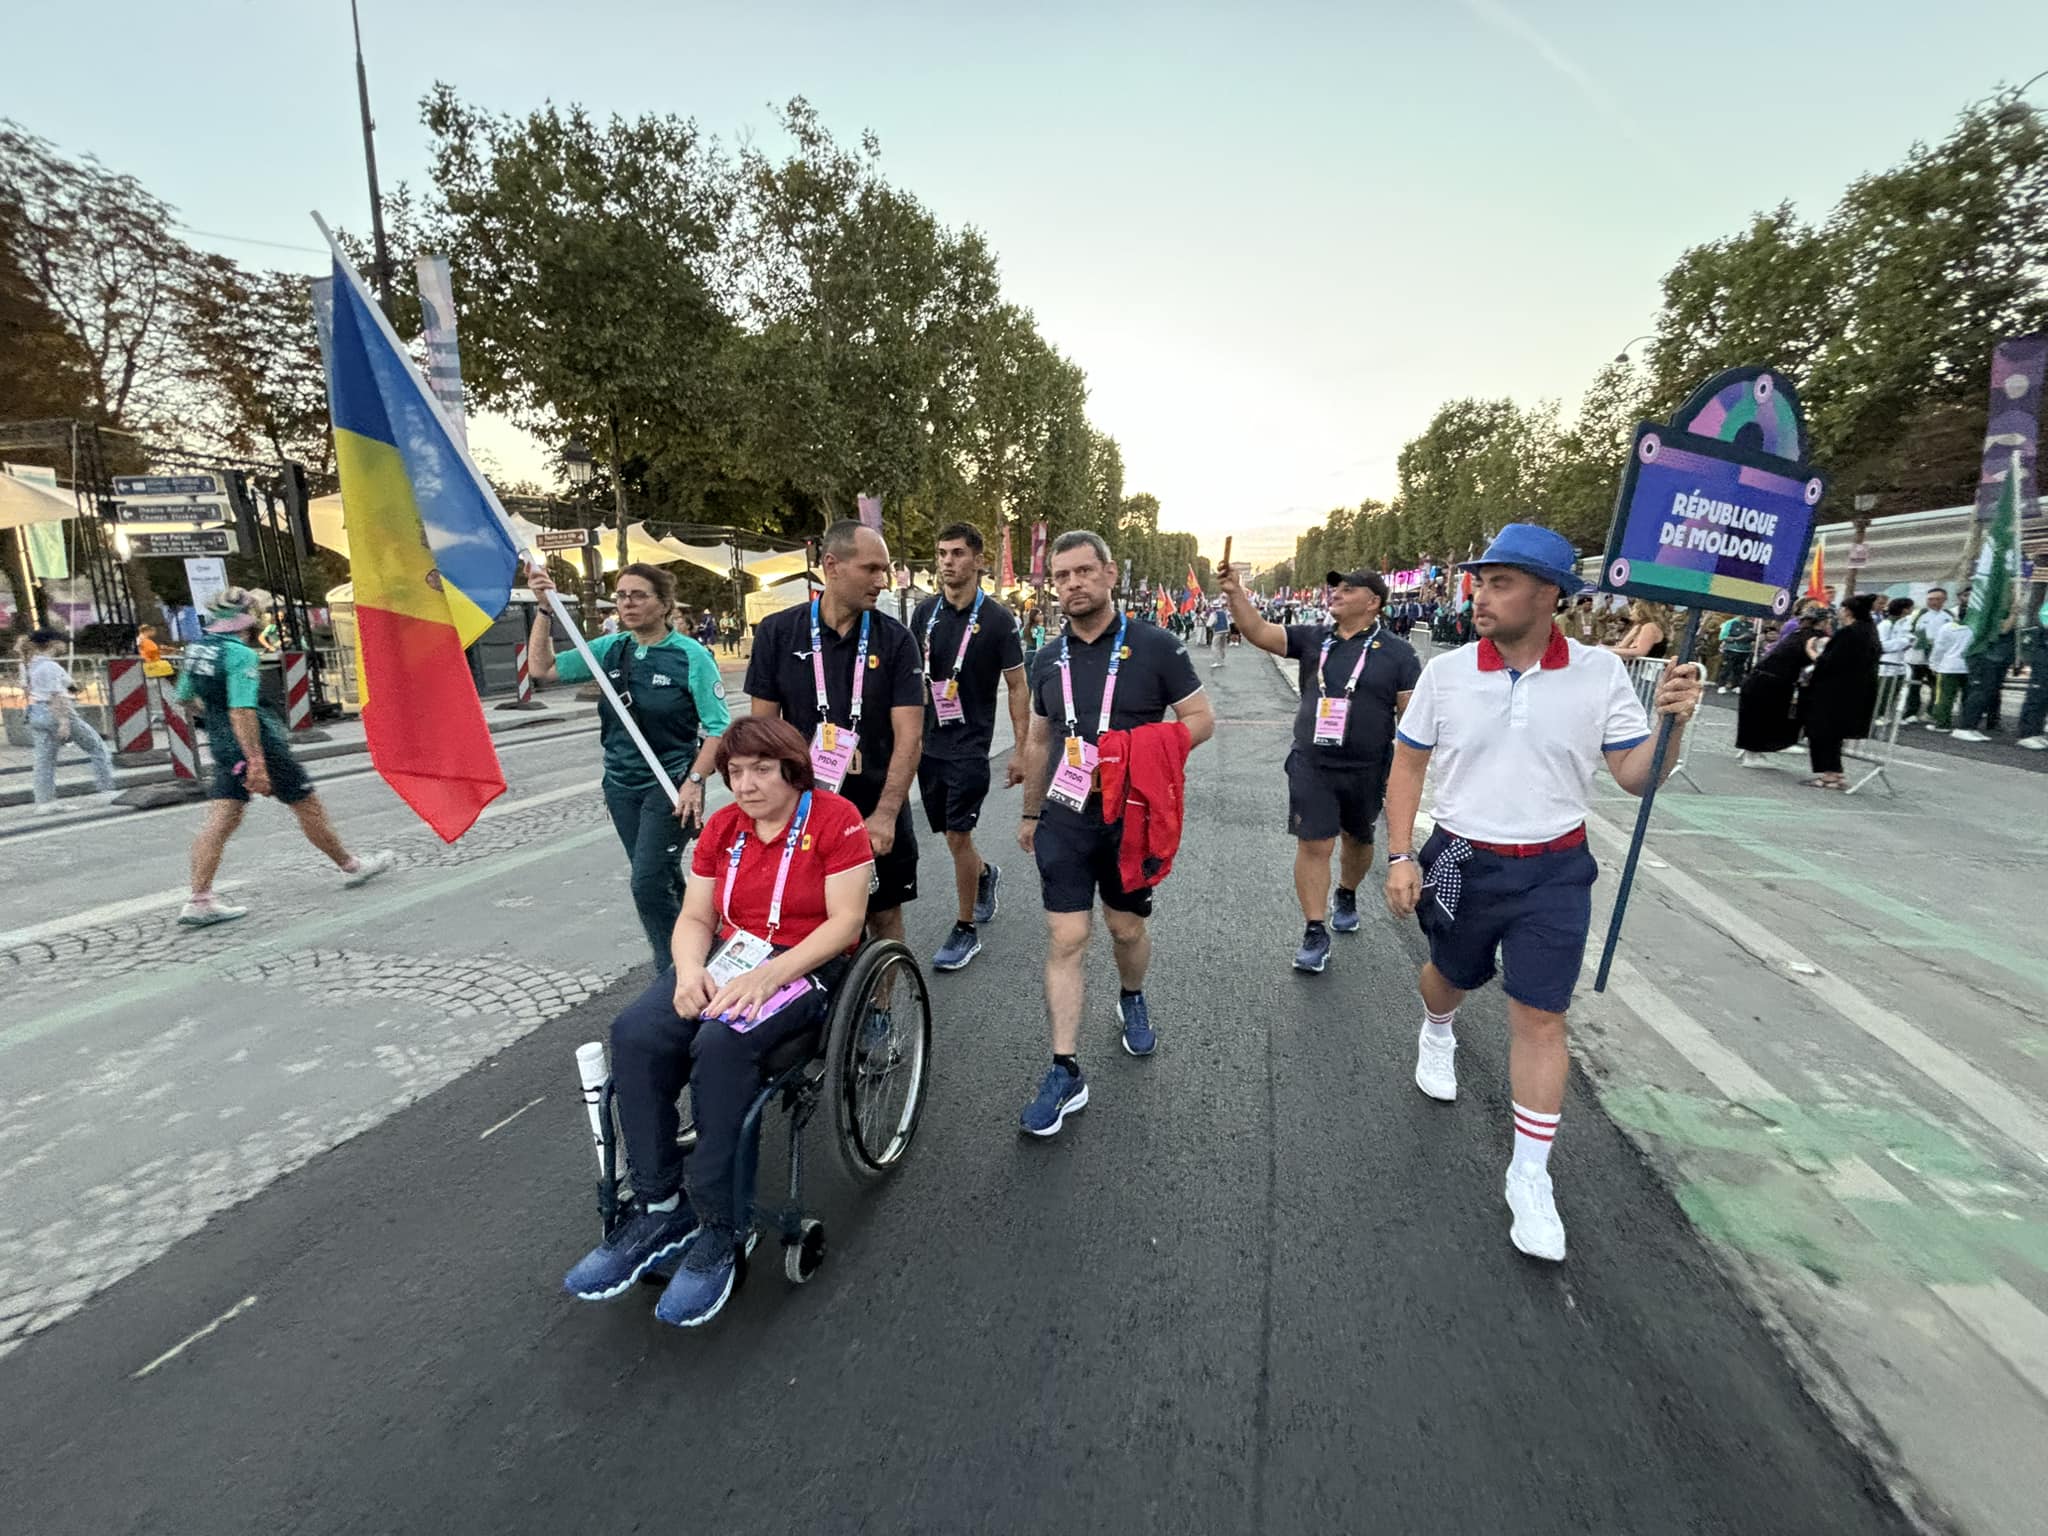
(896, 870)
(1077, 861)
(288, 782)
(1324, 799)
(953, 790)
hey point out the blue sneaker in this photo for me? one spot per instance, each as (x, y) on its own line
(1136, 1019)
(1344, 915)
(1314, 953)
(985, 902)
(643, 1241)
(703, 1282)
(1059, 1096)
(961, 946)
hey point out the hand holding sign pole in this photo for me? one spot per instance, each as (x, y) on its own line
(1716, 510)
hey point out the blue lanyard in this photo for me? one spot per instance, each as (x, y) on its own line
(860, 667)
(1116, 658)
(932, 623)
(792, 836)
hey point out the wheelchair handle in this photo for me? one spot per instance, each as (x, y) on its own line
(594, 1071)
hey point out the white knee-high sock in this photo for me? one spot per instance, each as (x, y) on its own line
(1533, 1136)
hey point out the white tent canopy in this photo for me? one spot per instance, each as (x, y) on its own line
(25, 501)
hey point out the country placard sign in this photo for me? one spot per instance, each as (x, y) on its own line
(565, 538)
(1717, 509)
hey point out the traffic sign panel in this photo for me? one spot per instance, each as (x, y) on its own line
(206, 541)
(201, 483)
(565, 538)
(173, 509)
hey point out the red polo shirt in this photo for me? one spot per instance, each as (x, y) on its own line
(835, 839)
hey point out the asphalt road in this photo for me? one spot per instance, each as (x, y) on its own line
(1260, 1285)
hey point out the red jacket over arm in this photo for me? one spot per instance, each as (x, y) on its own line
(1144, 785)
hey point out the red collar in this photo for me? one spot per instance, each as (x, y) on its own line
(1556, 654)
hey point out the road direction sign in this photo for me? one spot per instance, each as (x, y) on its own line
(202, 483)
(206, 541)
(173, 509)
(565, 538)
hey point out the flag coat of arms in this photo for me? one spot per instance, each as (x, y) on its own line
(433, 562)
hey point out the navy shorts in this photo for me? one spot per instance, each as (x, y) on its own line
(1324, 799)
(288, 781)
(952, 790)
(1533, 913)
(1077, 861)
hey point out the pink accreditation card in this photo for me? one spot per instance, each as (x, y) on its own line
(832, 754)
(1074, 779)
(1330, 717)
(777, 1001)
(946, 701)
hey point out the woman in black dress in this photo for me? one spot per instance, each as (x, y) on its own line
(1766, 719)
(1840, 699)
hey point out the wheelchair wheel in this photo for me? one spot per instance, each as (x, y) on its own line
(802, 1255)
(879, 1051)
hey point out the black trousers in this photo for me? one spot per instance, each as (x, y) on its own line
(654, 839)
(1824, 753)
(656, 1052)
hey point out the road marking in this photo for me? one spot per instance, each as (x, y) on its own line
(522, 1109)
(1737, 1080)
(355, 913)
(187, 1342)
(2006, 1323)
(1982, 1094)
(111, 912)
(547, 797)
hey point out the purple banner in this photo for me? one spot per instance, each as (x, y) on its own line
(2014, 426)
(870, 511)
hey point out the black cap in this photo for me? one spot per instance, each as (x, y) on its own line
(1370, 580)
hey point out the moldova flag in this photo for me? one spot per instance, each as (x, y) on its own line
(433, 561)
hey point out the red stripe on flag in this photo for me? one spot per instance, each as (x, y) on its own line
(424, 721)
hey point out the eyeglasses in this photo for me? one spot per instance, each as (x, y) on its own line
(633, 597)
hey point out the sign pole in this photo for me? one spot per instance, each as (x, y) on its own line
(1667, 727)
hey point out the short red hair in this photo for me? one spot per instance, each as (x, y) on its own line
(767, 736)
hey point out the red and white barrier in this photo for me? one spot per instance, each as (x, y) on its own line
(525, 695)
(178, 728)
(298, 692)
(128, 696)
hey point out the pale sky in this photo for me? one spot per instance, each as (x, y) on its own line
(1275, 237)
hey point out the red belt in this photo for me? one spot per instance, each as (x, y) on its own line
(1571, 839)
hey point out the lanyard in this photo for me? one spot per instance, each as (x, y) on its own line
(967, 634)
(1116, 656)
(860, 667)
(792, 835)
(1322, 661)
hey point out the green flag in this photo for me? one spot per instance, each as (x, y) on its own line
(1998, 565)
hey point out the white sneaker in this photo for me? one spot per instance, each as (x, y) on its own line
(1967, 736)
(1537, 1230)
(1722, 689)
(2036, 743)
(204, 914)
(1436, 1071)
(369, 868)
(1752, 760)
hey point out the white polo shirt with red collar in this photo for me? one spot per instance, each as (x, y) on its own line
(1513, 754)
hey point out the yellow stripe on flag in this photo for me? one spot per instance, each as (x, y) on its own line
(393, 567)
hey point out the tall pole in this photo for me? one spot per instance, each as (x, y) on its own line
(381, 276)
(619, 489)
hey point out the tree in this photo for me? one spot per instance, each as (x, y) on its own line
(250, 366)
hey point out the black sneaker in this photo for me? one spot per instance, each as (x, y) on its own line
(644, 1240)
(1344, 915)
(961, 946)
(985, 902)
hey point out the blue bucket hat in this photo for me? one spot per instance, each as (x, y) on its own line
(1537, 550)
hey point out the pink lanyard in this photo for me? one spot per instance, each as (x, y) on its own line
(791, 837)
(967, 634)
(1116, 654)
(1351, 686)
(860, 667)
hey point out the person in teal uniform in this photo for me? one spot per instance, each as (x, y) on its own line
(670, 684)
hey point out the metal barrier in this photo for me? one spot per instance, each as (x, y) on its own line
(1882, 743)
(1645, 672)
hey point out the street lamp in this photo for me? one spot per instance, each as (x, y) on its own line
(1622, 355)
(576, 463)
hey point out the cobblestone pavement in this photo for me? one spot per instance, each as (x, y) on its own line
(155, 1076)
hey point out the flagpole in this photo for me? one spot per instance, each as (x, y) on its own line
(426, 394)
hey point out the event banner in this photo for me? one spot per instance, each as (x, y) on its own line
(444, 355)
(870, 511)
(2014, 426)
(1038, 551)
(1717, 509)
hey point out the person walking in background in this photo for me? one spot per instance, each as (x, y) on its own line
(1927, 626)
(1841, 697)
(1738, 649)
(1988, 660)
(54, 721)
(1219, 629)
(1947, 660)
(1766, 719)
(2034, 707)
(1895, 637)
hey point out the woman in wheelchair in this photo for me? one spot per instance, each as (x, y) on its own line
(777, 895)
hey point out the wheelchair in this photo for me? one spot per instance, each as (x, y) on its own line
(871, 1058)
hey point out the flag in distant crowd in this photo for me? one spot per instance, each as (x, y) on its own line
(433, 564)
(1998, 568)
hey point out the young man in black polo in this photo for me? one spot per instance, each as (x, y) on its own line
(970, 649)
(846, 675)
(1355, 681)
(1103, 673)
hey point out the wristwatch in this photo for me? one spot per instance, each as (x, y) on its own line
(696, 777)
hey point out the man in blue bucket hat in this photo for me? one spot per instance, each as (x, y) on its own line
(1514, 728)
